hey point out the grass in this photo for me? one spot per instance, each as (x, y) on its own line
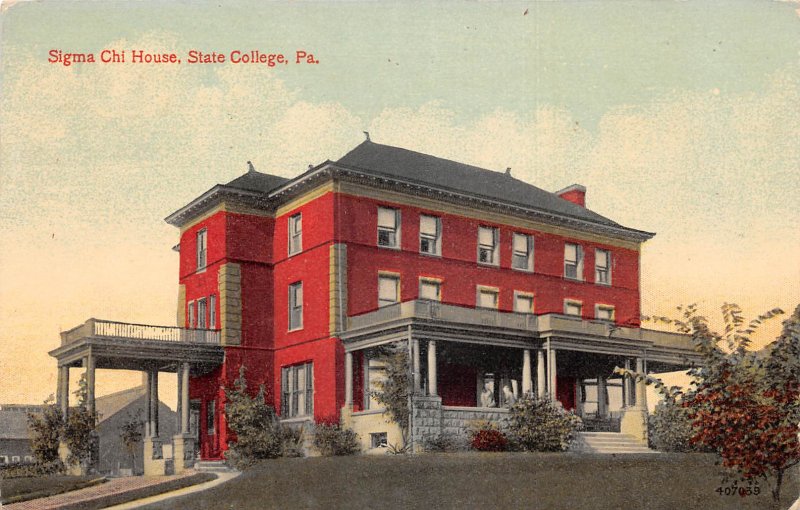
(474, 480)
(15, 490)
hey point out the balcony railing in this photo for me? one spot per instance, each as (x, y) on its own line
(96, 328)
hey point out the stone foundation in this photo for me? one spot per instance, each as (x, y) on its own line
(431, 419)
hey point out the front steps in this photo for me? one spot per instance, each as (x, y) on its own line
(607, 442)
(212, 466)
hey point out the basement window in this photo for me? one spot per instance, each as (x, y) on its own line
(378, 440)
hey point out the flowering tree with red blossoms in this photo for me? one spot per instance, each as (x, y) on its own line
(743, 404)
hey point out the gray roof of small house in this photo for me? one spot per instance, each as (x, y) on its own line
(422, 168)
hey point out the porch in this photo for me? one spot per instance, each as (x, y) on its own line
(472, 364)
(102, 344)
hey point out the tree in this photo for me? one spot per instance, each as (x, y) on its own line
(394, 390)
(45, 432)
(79, 432)
(131, 433)
(744, 405)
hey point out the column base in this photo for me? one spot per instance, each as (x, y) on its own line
(154, 463)
(634, 423)
(182, 453)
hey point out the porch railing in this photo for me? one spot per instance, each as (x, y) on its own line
(97, 328)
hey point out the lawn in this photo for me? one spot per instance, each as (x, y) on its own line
(475, 480)
(13, 490)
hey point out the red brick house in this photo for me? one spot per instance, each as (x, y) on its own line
(497, 287)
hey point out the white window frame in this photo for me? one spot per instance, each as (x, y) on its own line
(202, 248)
(295, 317)
(524, 295)
(577, 264)
(573, 302)
(385, 228)
(433, 282)
(432, 241)
(600, 270)
(202, 310)
(295, 233)
(609, 308)
(528, 254)
(381, 299)
(212, 311)
(492, 249)
(291, 390)
(482, 290)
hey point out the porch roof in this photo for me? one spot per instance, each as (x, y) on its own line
(439, 321)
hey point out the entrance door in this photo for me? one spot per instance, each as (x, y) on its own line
(194, 426)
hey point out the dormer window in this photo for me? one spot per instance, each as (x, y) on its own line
(388, 227)
(487, 246)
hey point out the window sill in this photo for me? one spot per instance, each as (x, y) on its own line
(521, 270)
(603, 284)
(426, 254)
(298, 252)
(488, 264)
(388, 247)
(298, 419)
(578, 280)
(295, 329)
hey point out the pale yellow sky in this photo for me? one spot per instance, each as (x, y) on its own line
(678, 118)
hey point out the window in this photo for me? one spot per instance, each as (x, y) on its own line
(573, 308)
(378, 440)
(388, 227)
(297, 390)
(523, 303)
(522, 257)
(192, 323)
(388, 290)
(430, 235)
(487, 245)
(201, 249)
(212, 311)
(604, 312)
(602, 267)
(430, 289)
(487, 298)
(201, 313)
(211, 411)
(15, 459)
(296, 306)
(573, 261)
(295, 234)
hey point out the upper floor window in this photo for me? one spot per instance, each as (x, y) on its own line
(523, 302)
(602, 267)
(201, 248)
(297, 390)
(430, 235)
(487, 297)
(388, 227)
(201, 313)
(430, 289)
(192, 323)
(573, 308)
(296, 306)
(573, 261)
(388, 289)
(522, 257)
(295, 234)
(487, 245)
(212, 311)
(604, 312)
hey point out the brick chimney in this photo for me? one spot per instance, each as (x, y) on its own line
(574, 193)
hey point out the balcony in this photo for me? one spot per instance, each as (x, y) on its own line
(97, 328)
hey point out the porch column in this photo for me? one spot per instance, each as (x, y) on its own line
(540, 375)
(602, 408)
(183, 384)
(553, 387)
(88, 364)
(626, 394)
(432, 368)
(348, 380)
(641, 386)
(63, 390)
(527, 383)
(416, 365)
(148, 396)
(153, 401)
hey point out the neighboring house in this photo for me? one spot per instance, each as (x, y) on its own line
(497, 288)
(113, 411)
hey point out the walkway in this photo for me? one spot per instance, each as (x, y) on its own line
(221, 478)
(114, 486)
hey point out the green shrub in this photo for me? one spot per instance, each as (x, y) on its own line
(670, 428)
(445, 443)
(331, 439)
(45, 432)
(541, 425)
(9, 471)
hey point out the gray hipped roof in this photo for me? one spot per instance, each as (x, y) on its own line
(416, 167)
(256, 181)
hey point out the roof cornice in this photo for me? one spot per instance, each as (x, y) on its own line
(211, 198)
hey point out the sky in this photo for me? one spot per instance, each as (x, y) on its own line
(680, 118)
